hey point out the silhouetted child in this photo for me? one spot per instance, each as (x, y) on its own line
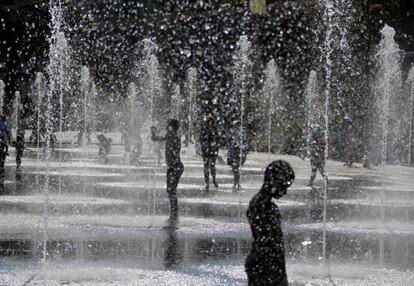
(265, 264)
(5, 138)
(236, 156)
(136, 151)
(175, 167)
(19, 145)
(209, 150)
(317, 146)
(4, 134)
(104, 147)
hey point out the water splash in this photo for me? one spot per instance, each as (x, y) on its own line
(93, 116)
(39, 90)
(387, 86)
(16, 111)
(191, 85)
(58, 57)
(2, 87)
(271, 90)
(242, 73)
(327, 51)
(150, 83)
(176, 102)
(410, 84)
(313, 105)
(85, 119)
(133, 111)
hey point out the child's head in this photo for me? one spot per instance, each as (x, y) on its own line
(173, 125)
(2, 117)
(279, 175)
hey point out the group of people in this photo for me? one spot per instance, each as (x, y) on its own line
(265, 264)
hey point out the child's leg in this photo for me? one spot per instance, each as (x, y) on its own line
(213, 160)
(206, 162)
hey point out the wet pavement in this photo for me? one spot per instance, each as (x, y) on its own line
(105, 224)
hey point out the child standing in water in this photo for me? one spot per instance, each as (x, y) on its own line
(175, 167)
(265, 264)
(19, 145)
(104, 147)
(5, 138)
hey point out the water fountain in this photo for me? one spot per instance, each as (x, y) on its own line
(16, 112)
(410, 85)
(241, 76)
(2, 86)
(148, 74)
(39, 90)
(85, 89)
(92, 119)
(327, 50)
(150, 82)
(387, 86)
(176, 102)
(133, 111)
(191, 86)
(271, 90)
(312, 107)
(123, 243)
(58, 52)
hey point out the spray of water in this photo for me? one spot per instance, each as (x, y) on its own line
(16, 111)
(312, 105)
(2, 87)
(133, 104)
(58, 51)
(39, 90)
(410, 85)
(242, 72)
(271, 90)
(191, 85)
(329, 13)
(176, 101)
(150, 82)
(92, 119)
(85, 88)
(387, 85)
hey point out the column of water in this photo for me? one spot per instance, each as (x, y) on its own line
(154, 83)
(2, 86)
(176, 101)
(271, 89)
(191, 85)
(16, 111)
(311, 107)
(57, 56)
(93, 104)
(387, 84)
(85, 94)
(39, 91)
(150, 83)
(242, 70)
(329, 11)
(85, 87)
(410, 85)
